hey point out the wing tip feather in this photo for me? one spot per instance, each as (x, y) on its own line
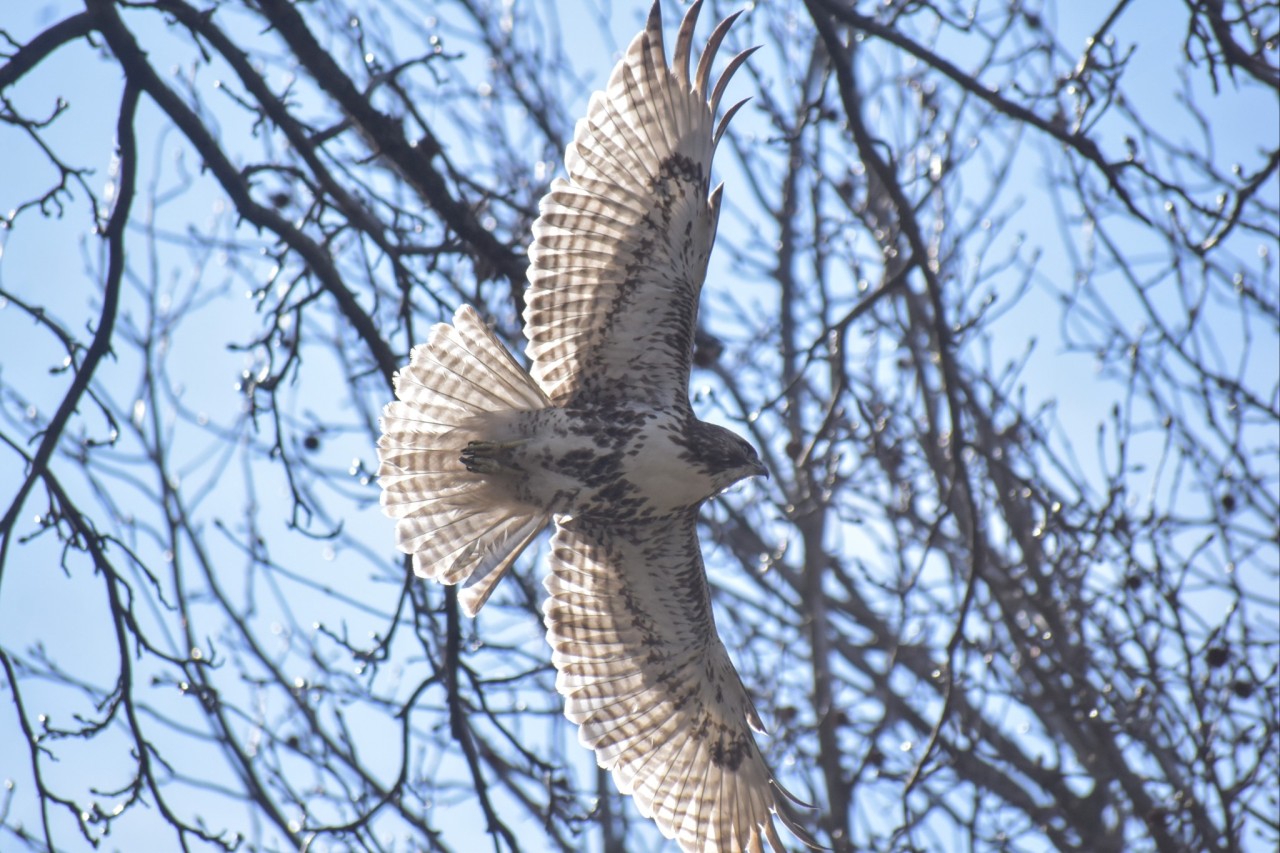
(703, 74)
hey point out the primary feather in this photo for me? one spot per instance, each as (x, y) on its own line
(648, 680)
(621, 245)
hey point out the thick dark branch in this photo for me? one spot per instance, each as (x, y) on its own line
(1255, 65)
(134, 61)
(386, 137)
(1078, 142)
(34, 52)
(113, 234)
(300, 140)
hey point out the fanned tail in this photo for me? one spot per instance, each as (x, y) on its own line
(459, 528)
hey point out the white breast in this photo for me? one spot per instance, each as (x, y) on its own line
(659, 472)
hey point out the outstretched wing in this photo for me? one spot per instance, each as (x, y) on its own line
(620, 248)
(646, 677)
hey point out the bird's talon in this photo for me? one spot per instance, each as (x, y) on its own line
(479, 457)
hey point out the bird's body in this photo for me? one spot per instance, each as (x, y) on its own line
(609, 460)
(478, 455)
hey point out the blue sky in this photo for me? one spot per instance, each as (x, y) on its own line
(46, 263)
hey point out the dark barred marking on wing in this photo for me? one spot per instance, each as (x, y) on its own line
(620, 248)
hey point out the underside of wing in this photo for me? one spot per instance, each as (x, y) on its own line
(620, 248)
(647, 678)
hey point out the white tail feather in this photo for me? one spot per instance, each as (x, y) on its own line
(459, 528)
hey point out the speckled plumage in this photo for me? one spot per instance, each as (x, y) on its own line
(477, 456)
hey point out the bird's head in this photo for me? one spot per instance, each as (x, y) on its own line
(729, 457)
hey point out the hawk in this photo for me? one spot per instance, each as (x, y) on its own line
(478, 456)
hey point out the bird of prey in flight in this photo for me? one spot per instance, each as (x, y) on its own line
(599, 438)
